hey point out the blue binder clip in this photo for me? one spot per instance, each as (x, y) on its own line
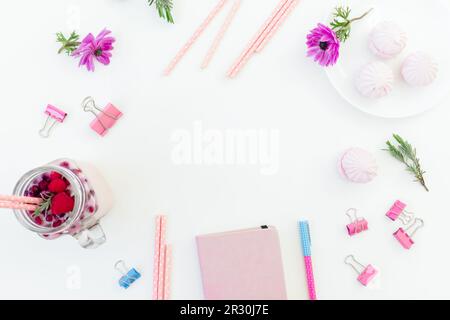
(128, 275)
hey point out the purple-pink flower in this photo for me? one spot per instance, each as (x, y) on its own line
(98, 48)
(323, 45)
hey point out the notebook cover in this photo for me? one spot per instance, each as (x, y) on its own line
(242, 265)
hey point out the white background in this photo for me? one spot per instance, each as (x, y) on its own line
(279, 89)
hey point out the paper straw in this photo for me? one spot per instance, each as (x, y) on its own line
(275, 18)
(161, 274)
(194, 37)
(162, 254)
(212, 50)
(21, 199)
(156, 257)
(17, 206)
(250, 49)
(167, 271)
(278, 23)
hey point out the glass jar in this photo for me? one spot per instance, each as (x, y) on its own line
(83, 221)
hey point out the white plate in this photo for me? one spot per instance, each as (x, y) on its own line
(427, 23)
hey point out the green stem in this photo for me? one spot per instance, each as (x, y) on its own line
(422, 182)
(419, 174)
(360, 17)
(69, 46)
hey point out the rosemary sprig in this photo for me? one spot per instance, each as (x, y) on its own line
(342, 23)
(69, 44)
(45, 205)
(406, 154)
(164, 8)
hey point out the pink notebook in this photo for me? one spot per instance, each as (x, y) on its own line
(242, 265)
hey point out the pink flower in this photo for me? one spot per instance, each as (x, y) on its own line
(99, 48)
(323, 45)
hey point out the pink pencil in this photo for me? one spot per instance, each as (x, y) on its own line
(250, 49)
(278, 23)
(194, 37)
(212, 50)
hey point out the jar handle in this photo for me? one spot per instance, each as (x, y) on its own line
(91, 238)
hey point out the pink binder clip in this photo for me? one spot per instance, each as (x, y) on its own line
(405, 236)
(54, 115)
(397, 211)
(356, 224)
(365, 273)
(104, 119)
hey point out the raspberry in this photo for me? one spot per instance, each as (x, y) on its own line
(57, 186)
(62, 203)
(55, 175)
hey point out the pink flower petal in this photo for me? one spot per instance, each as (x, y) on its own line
(327, 55)
(95, 47)
(104, 59)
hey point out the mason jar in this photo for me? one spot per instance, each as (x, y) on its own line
(92, 200)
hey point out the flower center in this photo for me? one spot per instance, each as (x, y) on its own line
(98, 52)
(323, 45)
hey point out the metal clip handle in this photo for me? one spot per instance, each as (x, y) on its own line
(57, 115)
(121, 267)
(88, 105)
(352, 214)
(46, 129)
(416, 225)
(406, 217)
(352, 262)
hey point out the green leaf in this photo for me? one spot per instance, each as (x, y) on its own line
(405, 153)
(164, 8)
(70, 44)
(45, 205)
(394, 152)
(341, 23)
(405, 147)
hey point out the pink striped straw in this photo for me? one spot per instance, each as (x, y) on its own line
(272, 24)
(212, 50)
(19, 199)
(250, 49)
(156, 257)
(162, 255)
(278, 23)
(17, 206)
(194, 37)
(167, 271)
(161, 276)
